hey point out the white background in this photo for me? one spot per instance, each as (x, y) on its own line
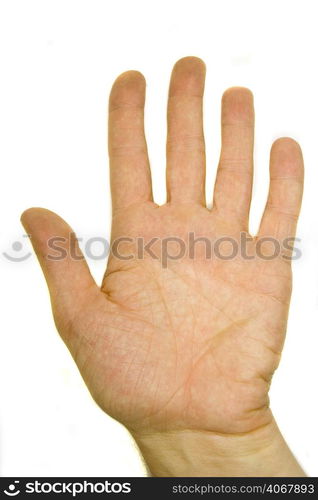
(58, 61)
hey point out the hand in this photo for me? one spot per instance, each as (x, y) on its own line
(187, 348)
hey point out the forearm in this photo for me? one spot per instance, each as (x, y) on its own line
(261, 453)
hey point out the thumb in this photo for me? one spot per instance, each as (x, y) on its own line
(65, 269)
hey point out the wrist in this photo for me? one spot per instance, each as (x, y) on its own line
(186, 453)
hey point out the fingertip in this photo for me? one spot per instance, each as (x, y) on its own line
(129, 77)
(286, 156)
(128, 89)
(238, 93)
(30, 214)
(286, 144)
(188, 77)
(41, 223)
(189, 63)
(238, 105)
(33, 213)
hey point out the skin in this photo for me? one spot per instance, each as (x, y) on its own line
(183, 354)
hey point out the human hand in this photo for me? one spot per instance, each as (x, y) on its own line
(183, 352)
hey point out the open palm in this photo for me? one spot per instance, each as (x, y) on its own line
(173, 341)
